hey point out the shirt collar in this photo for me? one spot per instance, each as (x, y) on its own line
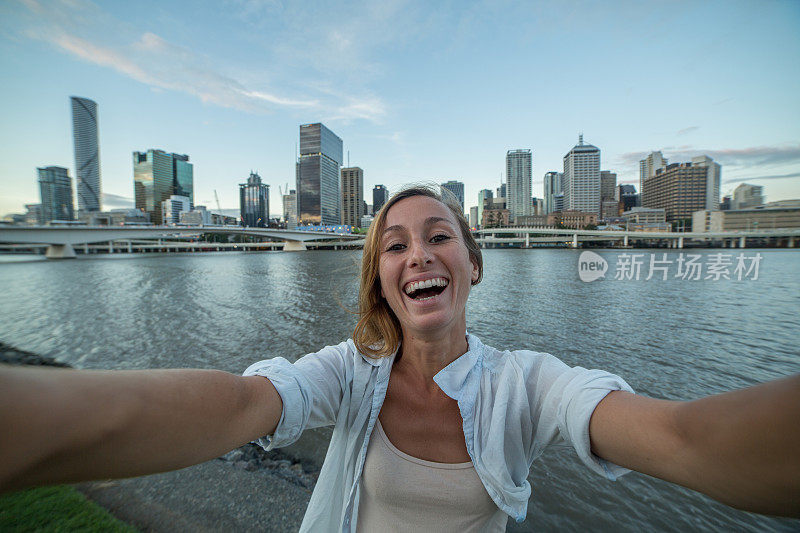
(452, 379)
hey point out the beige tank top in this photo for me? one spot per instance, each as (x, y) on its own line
(402, 493)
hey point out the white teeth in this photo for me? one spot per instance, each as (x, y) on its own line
(425, 284)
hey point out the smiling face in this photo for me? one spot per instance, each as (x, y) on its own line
(425, 269)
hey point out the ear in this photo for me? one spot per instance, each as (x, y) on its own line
(475, 272)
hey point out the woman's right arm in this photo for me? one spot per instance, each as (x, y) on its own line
(62, 426)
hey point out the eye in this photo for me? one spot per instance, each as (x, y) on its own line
(395, 247)
(440, 237)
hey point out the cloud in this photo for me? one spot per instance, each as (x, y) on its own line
(115, 201)
(690, 129)
(772, 177)
(162, 65)
(743, 158)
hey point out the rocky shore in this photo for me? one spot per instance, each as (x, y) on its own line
(246, 489)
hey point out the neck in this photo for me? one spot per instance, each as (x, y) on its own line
(425, 354)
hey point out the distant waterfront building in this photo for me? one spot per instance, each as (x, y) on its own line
(457, 188)
(33, 214)
(519, 179)
(725, 204)
(155, 175)
(87, 153)
(173, 207)
(648, 167)
(55, 189)
(352, 196)
(775, 215)
(473, 217)
(380, 195)
(644, 215)
(608, 185)
(609, 209)
(746, 196)
(552, 187)
(683, 188)
(199, 216)
(290, 209)
(317, 172)
(581, 180)
(366, 221)
(254, 202)
(558, 202)
(183, 177)
(483, 196)
(537, 206)
(501, 191)
(572, 219)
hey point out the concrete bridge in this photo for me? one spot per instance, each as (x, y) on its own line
(526, 236)
(62, 239)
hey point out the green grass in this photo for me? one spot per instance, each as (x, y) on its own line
(55, 509)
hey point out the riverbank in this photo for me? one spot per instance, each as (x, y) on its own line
(246, 489)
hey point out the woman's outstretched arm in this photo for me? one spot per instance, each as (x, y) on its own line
(74, 425)
(741, 448)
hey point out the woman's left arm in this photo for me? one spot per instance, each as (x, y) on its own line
(741, 448)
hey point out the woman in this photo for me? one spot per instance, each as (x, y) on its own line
(432, 429)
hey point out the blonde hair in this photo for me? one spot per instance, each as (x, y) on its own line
(378, 332)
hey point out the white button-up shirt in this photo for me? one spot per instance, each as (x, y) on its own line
(513, 405)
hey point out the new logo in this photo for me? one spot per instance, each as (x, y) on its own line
(591, 266)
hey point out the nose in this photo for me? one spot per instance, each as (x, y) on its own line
(419, 254)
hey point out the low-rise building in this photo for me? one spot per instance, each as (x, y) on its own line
(572, 219)
(172, 207)
(645, 215)
(763, 218)
(531, 221)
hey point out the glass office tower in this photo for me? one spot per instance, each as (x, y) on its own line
(254, 202)
(317, 172)
(183, 177)
(87, 153)
(55, 188)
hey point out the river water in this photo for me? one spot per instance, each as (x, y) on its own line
(675, 338)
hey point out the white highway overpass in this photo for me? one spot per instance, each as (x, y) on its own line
(61, 239)
(519, 235)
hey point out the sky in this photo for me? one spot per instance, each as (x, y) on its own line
(418, 91)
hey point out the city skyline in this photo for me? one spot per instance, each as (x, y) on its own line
(161, 85)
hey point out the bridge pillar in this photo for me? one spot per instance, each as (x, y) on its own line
(741, 241)
(130, 247)
(527, 240)
(294, 246)
(85, 248)
(60, 251)
(680, 242)
(625, 241)
(111, 247)
(574, 240)
(790, 244)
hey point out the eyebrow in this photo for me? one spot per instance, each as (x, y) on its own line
(428, 222)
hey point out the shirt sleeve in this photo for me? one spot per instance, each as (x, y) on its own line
(311, 390)
(567, 397)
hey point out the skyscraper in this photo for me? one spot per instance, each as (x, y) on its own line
(352, 196)
(155, 175)
(683, 188)
(183, 177)
(380, 195)
(55, 188)
(483, 196)
(581, 180)
(648, 167)
(318, 196)
(519, 164)
(746, 196)
(254, 202)
(290, 209)
(552, 187)
(87, 153)
(457, 188)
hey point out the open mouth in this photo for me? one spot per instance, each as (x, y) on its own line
(426, 289)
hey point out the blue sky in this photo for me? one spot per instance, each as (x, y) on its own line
(418, 91)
